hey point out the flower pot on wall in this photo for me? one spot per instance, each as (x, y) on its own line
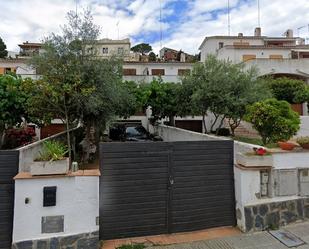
(305, 146)
(252, 160)
(286, 145)
(59, 167)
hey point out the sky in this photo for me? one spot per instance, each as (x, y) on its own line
(184, 23)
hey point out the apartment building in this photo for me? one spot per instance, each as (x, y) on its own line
(278, 56)
(29, 49)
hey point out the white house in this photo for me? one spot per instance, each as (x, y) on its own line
(282, 56)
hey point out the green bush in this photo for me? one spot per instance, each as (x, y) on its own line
(290, 90)
(274, 120)
(52, 151)
(303, 140)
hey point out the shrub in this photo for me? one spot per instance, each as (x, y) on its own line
(290, 90)
(303, 140)
(18, 137)
(274, 120)
(52, 151)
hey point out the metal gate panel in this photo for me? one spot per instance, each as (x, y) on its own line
(162, 187)
(203, 189)
(8, 169)
(133, 189)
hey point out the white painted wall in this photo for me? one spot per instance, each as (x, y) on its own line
(236, 55)
(288, 66)
(211, 45)
(173, 134)
(304, 127)
(77, 200)
(290, 160)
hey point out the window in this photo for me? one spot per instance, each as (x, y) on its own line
(248, 57)
(129, 71)
(105, 50)
(183, 72)
(120, 50)
(221, 44)
(158, 72)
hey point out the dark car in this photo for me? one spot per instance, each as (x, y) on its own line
(131, 132)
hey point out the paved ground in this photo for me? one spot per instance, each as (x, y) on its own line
(260, 240)
(218, 238)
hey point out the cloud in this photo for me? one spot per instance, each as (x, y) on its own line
(185, 23)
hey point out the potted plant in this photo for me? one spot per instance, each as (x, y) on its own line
(285, 145)
(303, 142)
(52, 160)
(257, 158)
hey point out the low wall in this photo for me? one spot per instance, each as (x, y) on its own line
(28, 153)
(275, 214)
(72, 220)
(173, 134)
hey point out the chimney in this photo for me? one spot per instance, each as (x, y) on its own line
(257, 32)
(240, 34)
(289, 33)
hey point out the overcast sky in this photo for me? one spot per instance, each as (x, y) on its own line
(184, 23)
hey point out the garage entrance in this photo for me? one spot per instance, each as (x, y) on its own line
(149, 188)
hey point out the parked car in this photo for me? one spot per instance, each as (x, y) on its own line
(131, 132)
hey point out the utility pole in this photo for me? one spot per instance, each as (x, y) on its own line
(228, 18)
(160, 24)
(259, 14)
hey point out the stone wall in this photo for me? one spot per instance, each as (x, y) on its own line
(79, 241)
(275, 214)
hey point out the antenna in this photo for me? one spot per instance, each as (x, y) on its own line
(259, 14)
(160, 24)
(228, 18)
(117, 24)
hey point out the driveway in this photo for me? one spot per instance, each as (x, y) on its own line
(259, 240)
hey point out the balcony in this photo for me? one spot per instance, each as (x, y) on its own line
(299, 67)
(149, 78)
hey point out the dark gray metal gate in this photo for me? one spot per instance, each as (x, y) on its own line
(8, 169)
(164, 187)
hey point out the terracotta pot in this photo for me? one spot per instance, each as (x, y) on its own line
(305, 146)
(286, 145)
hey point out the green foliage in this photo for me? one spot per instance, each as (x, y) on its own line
(142, 48)
(274, 120)
(163, 99)
(134, 246)
(3, 51)
(152, 56)
(303, 140)
(223, 88)
(52, 151)
(12, 100)
(291, 90)
(76, 85)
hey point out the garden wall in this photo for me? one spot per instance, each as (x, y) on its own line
(28, 153)
(304, 127)
(70, 222)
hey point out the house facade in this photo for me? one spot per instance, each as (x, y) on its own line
(146, 71)
(278, 56)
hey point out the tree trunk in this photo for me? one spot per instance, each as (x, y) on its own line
(220, 125)
(68, 133)
(172, 120)
(213, 124)
(2, 137)
(204, 123)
